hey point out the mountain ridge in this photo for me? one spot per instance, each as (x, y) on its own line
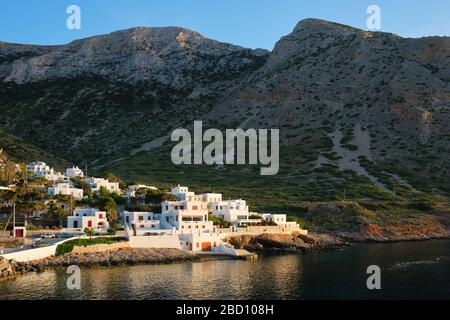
(354, 108)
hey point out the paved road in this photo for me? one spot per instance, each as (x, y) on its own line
(27, 247)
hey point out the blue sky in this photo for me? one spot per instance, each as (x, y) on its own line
(250, 23)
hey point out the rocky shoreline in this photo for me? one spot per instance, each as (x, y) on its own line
(297, 243)
(358, 237)
(126, 256)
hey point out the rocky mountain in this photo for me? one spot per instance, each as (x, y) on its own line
(361, 114)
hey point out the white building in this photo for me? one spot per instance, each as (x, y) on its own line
(279, 220)
(141, 223)
(65, 189)
(97, 183)
(40, 169)
(52, 175)
(232, 211)
(185, 216)
(131, 192)
(74, 172)
(182, 193)
(37, 166)
(90, 219)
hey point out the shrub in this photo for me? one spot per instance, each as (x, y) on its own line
(298, 220)
(218, 221)
(422, 204)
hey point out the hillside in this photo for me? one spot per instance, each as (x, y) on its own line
(18, 150)
(361, 114)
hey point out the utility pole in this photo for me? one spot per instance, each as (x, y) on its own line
(14, 219)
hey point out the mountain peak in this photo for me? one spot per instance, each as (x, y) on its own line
(315, 24)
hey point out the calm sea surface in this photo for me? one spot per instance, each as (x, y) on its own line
(410, 270)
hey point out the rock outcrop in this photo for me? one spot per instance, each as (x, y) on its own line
(11, 268)
(286, 242)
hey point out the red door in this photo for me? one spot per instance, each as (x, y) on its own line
(19, 233)
(206, 246)
(90, 224)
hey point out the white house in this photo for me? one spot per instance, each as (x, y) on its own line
(131, 192)
(141, 223)
(278, 219)
(97, 183)
(182, 193)
(74, 172)
(37, 166)
(65, 189)
(52, 175)
(185, 216)
(233, 211)
(211, 199)
(88, 218)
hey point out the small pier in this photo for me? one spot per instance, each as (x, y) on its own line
(245, 255)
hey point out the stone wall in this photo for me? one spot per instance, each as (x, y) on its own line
(100, 248)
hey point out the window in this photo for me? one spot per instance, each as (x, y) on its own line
(194, 207)
(141, 218)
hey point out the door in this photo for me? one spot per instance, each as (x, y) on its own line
(19, 233)
(90, 224)
(206, 246)
(75, 224)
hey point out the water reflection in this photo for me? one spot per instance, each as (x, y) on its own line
(322, 275)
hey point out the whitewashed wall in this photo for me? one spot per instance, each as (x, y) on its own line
(34, 254)
(159, 242)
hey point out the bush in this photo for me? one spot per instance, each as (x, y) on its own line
(298, 220)
(423, 204)
(217, 221)
(68, 246)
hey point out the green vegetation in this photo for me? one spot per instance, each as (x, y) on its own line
(218, 221)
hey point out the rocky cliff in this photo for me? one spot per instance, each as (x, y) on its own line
(361, 114)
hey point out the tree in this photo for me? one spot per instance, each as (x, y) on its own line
(218, 221)
(112, 213)
(55, 212)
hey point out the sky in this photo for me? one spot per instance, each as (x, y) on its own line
(249, 23)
